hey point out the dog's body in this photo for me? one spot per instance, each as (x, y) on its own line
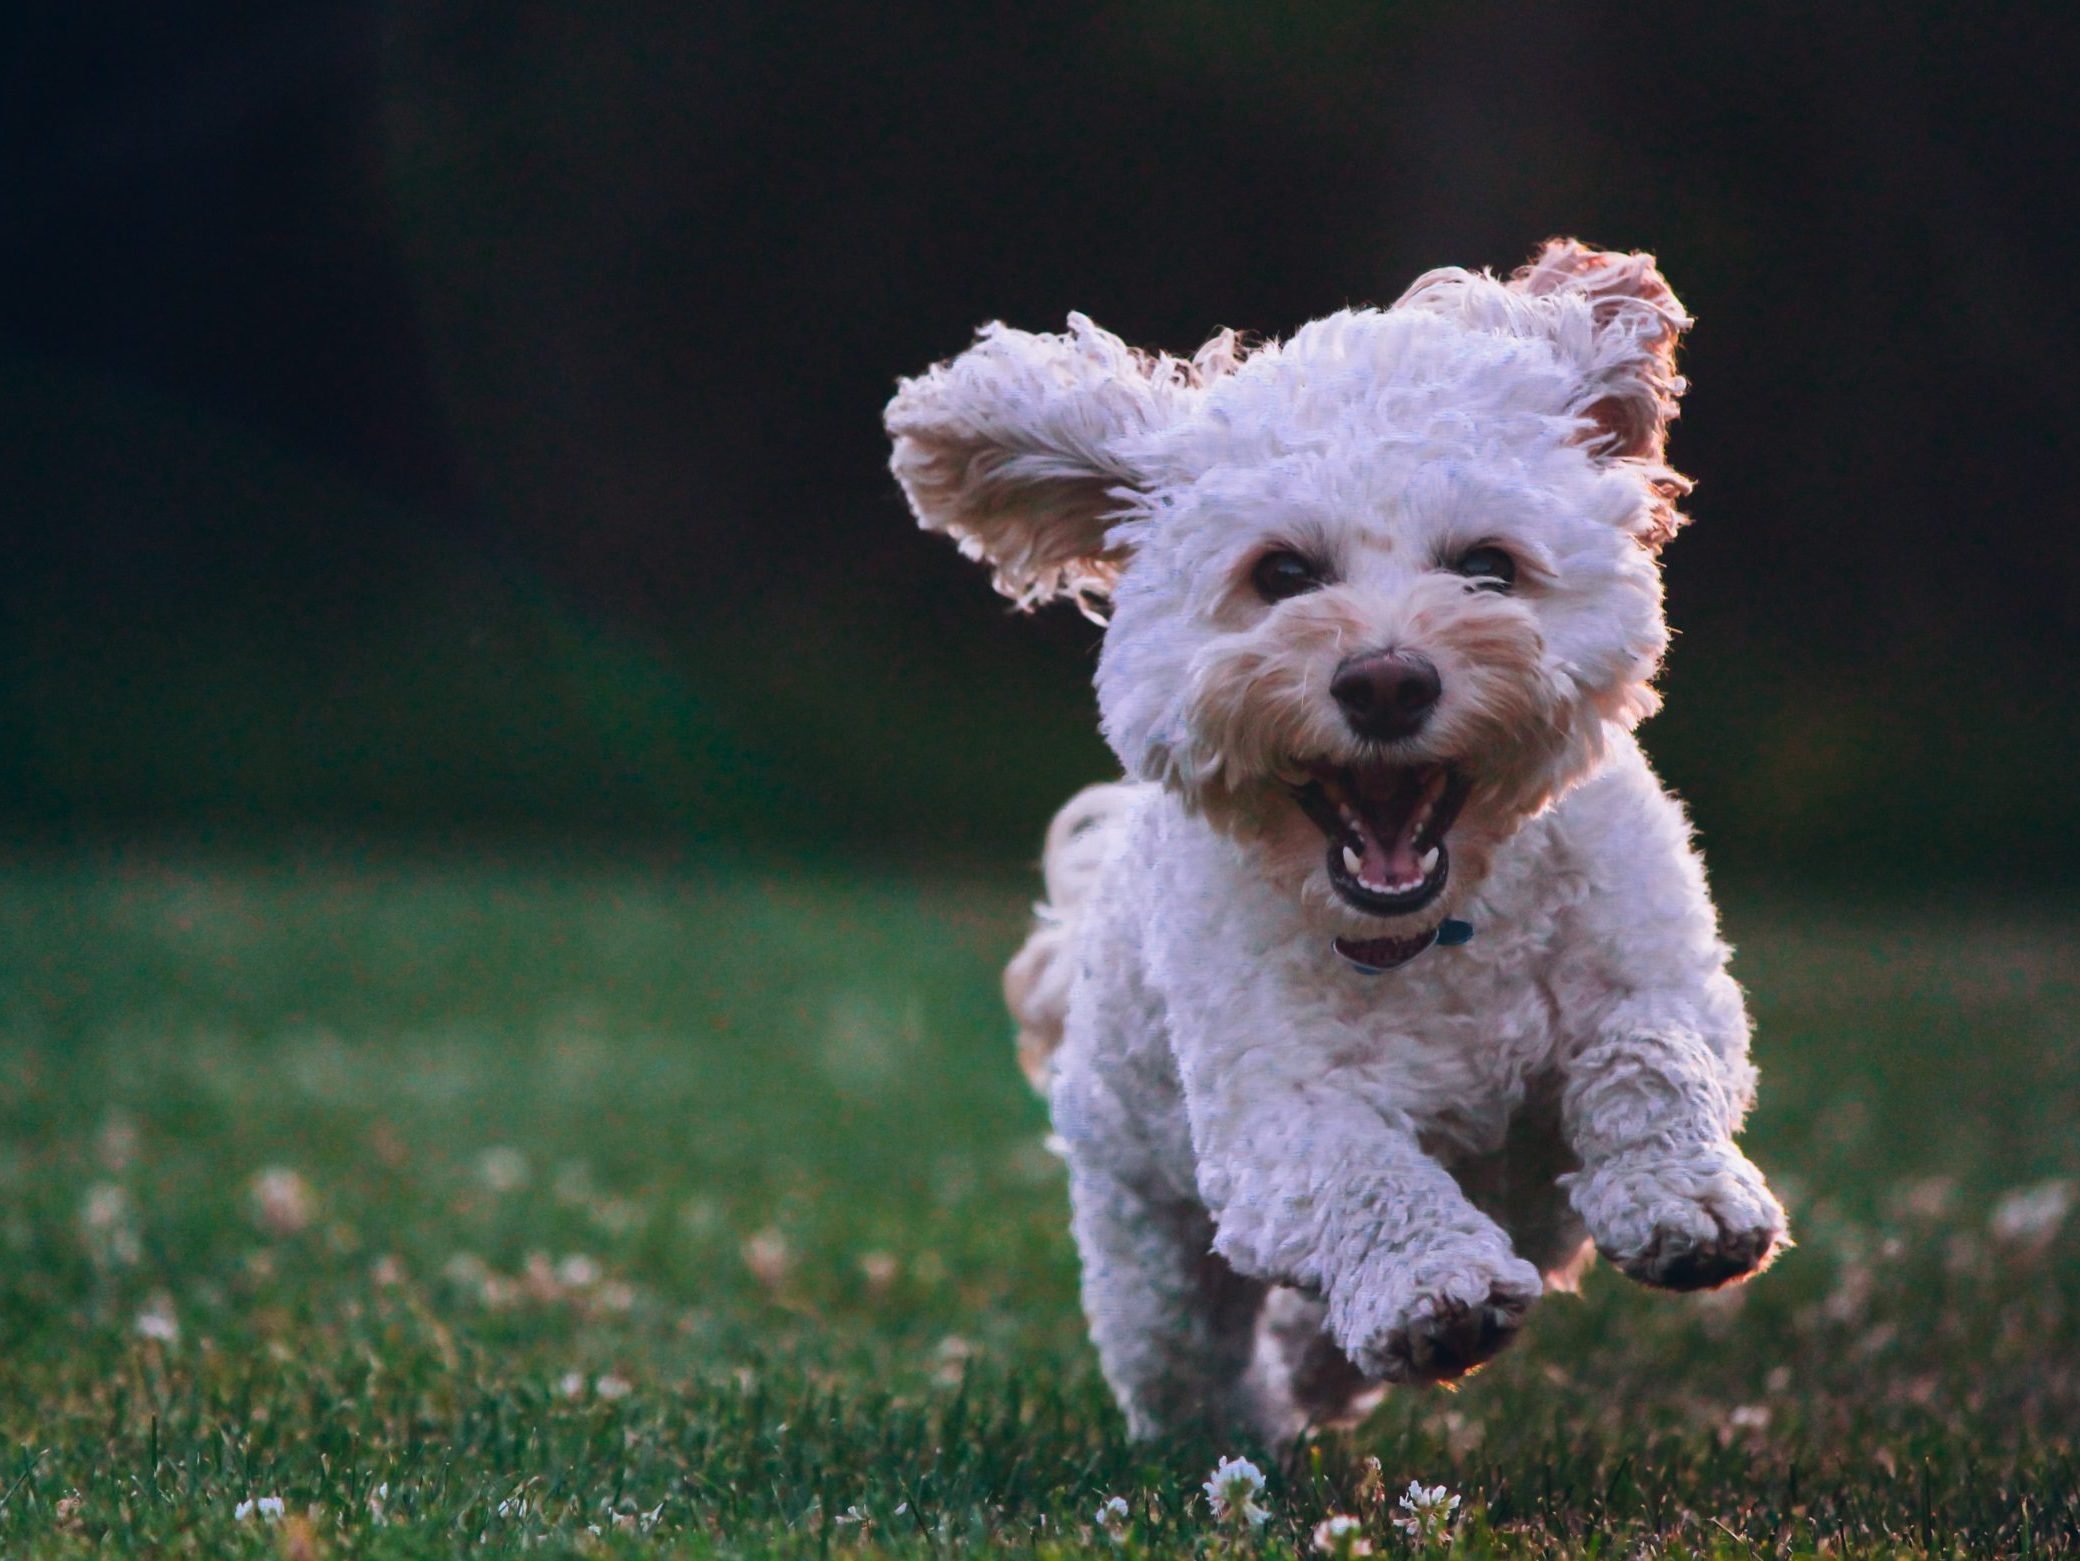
(1392, 583)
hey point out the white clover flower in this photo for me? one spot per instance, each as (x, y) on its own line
(158, 1322)
(502, 1169)
(768, 1256)
(610, 1386)
(1342, 1536)
(1232, 1490)
(108, 1224)
(880, 1270)
(1112, 1517)
(2029, 1217)
(1426, 1512)
(283, 1202)
(268, 1509)
(577, 1272)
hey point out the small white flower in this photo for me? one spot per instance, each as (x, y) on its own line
(1112, 1517)
(268, 1509)
(1232, 1489)
(1426, 1512)
(283, 1202)
(1342, 1536)
(502, 1170)
(879, 1269)
(379, 1503)
(768, 1256)
(158, 1322)
(2029, 1217)
(610, 1386)
(951, 1360)
(628, 1519)
(571, 1384)
(577, 1272)
(108, 1222)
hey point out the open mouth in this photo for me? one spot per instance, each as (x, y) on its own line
(1386, 826)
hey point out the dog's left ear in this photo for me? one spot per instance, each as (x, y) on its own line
(1623, 335)
(1628, 355)
(1615, 322)
(1018, 449)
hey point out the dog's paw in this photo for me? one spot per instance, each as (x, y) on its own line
(1690, 1220)
(1439, 1316)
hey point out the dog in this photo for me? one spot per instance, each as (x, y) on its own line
(1386, 988)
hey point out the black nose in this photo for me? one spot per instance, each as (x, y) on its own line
(1386, 695)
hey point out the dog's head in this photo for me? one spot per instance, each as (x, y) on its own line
(1390, 582)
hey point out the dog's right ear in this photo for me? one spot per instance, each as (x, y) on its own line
(1017, 449)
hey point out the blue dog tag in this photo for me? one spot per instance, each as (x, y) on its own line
(1451, 932)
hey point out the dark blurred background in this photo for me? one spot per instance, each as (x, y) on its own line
(461, 420)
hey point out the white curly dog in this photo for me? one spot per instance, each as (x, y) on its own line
(1336, 1118)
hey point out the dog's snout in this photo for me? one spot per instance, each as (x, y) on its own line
(1386, 694)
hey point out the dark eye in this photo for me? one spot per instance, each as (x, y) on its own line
(1488, 567)
(1283, 574)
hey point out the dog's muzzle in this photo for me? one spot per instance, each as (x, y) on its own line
(1386, 829)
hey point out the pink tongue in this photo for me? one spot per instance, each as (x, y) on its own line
(1391, 862)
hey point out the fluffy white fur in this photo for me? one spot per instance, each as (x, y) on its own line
(1293, 1181)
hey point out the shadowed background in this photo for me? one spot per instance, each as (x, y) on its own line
(514, 832)
(461, 420)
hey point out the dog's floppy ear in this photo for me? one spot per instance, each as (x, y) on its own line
(1625, 344)
(1016, 449)
(1615, 321)
(1629, 357)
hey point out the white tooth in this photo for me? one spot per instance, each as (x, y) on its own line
(1428, 862)
(1352, 861)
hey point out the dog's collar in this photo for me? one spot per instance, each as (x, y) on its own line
(1382, 955)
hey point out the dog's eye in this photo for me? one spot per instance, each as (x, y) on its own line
(1283, 574)
(1488, 567)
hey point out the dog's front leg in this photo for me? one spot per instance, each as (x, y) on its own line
(1651, 1111)
(1316, 1185)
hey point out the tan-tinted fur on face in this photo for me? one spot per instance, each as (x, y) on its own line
(1260, 703)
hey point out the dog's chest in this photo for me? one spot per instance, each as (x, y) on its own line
(1461, 1036)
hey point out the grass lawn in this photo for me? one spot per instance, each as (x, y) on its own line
(570, 1208)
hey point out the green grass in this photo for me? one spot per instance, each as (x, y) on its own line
(711, 1212)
